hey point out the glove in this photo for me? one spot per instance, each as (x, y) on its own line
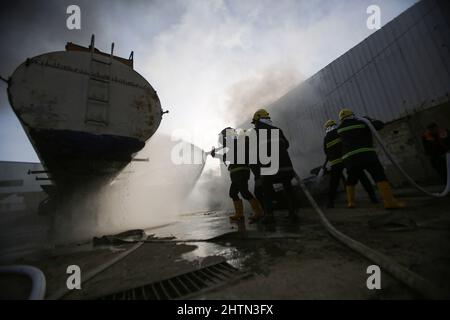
(213, 152)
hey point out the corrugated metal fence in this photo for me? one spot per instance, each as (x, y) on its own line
(398, 70)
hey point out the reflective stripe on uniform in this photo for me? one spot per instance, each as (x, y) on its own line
(333, 142)
(360, 150)
(239, 168)
(335, 161)
(355, 126)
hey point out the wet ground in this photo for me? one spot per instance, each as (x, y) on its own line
(288, 260)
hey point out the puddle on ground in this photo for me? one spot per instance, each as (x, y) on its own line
(231, 254)
(242, 245)
(239, 244)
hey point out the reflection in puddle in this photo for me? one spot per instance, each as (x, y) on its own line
(239, 244)
(206, 249)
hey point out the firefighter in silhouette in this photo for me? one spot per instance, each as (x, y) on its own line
(436, 142)
(358, 154)
(332, 146)
(238, 165)
(265, 132)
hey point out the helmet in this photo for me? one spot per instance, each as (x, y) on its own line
(344, 113)
(260, 114)
(224, 131)
(329, 123)
(227, 134)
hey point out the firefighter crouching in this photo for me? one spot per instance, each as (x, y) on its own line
(332, 146)
(262, 122)
(239, 169)
(358, 154)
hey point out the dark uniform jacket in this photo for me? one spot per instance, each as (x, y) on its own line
(237, 160)
(356, 137)
(332, 146)
(285, 163)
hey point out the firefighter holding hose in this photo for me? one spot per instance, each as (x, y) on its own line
(332, 146)
(239, 168)
(358, 154)
(264, 128)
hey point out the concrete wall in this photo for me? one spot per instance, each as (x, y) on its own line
(404, 141)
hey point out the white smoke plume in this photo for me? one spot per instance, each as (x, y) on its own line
(146, 194)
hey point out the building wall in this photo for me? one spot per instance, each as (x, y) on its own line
(14, 177)
(404, 140)
(20, 192)
(397, 75)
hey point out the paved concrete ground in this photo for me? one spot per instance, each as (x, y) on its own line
(287, 261)
(316, 266)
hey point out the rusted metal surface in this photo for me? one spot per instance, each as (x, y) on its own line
(85, 112)
(49, 92)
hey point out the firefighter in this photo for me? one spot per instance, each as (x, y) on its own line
(332, 146)
(258, 188)
(239, 175)
(261, 121)
(358, 154)
(436, 142)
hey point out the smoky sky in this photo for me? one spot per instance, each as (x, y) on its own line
(212, 62)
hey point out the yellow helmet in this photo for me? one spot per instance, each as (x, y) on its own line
(329, 123)
(344, 113)
(260, 114)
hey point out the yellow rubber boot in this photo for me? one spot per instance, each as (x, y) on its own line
(257, 210)
(386, 194)
(350, 196)
(238, 211)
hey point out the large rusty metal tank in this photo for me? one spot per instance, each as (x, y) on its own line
(86, 112)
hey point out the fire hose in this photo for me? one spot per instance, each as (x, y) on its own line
(63, 292)
(402, 171)
(37, 278)
(401, 273)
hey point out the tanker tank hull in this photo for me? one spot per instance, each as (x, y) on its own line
(85, 112)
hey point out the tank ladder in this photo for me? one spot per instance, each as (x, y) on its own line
(98, 91)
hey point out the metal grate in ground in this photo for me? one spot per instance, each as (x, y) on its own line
(183, 286)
